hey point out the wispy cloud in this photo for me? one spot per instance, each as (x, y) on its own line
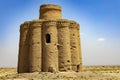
(101, 39)
(82, 33)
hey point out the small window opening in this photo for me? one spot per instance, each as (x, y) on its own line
(78, 68)
(48, 38)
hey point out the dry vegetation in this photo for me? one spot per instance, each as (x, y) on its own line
(88, 73)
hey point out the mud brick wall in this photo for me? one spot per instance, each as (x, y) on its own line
(35, 46)
(49, 47)
(23, 62)
(50, 43)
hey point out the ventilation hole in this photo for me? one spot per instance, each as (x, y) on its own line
(68, 60)
(68, 68)
(38, 42)
(62, 62)
(32, 43)
(73, 46)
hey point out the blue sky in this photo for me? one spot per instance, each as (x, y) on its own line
(99, 30)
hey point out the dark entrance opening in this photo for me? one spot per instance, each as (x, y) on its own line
(48, 40)
(78, 68)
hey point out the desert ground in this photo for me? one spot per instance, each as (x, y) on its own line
(88, 73)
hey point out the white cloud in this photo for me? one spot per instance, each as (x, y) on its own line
(101, 39)
(82, 34)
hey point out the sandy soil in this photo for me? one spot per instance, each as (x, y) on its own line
(88, 73)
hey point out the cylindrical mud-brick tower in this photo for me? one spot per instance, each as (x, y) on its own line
(49, 46)
(23, 61)
(35, 51)
(50, 12)
(50, 43)
(64, 45)
(75, 46)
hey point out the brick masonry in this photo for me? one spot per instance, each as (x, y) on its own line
(50, 43)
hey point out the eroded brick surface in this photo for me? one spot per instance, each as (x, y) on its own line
(50, 43)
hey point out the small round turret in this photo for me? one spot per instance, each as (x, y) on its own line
(50, 11)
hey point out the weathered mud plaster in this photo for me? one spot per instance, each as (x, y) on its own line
(50, 43)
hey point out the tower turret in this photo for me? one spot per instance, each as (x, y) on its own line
(50, 11)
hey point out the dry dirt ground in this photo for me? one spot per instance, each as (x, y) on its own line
(88, 73)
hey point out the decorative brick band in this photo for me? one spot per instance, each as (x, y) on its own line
(49, 23)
